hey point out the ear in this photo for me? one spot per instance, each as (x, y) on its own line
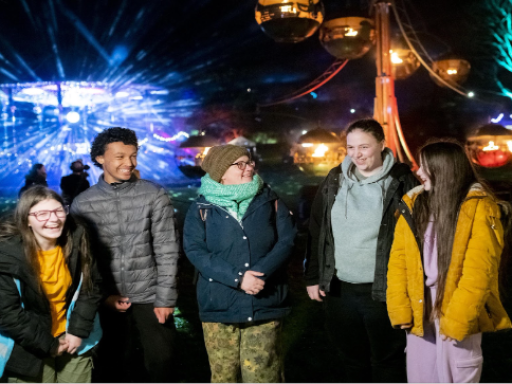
(383, 145)
(100, 159)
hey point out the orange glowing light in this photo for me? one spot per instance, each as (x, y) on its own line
(320, 150)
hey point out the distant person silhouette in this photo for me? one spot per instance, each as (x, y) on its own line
(36, 176)
(74, 184)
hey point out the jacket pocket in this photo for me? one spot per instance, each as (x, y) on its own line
(213, 296)
(468, 371)
(493, 316)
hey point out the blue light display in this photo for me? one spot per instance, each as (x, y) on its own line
(54, 123)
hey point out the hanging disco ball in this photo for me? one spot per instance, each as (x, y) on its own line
(289, 21)
(347, 37)
(404, 63)
(453, 71)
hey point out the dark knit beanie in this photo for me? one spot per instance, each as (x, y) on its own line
(219, 159)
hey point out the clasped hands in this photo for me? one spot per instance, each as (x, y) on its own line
(67, 344)
(251, 283)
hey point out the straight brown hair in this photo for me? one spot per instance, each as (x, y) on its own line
(17, 225)
(451, 174)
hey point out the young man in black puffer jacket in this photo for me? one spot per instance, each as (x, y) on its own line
(136, 247)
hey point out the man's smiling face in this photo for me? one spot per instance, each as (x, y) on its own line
(118, 162)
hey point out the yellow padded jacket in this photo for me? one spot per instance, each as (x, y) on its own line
(471, 302)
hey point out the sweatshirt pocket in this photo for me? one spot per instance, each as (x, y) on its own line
(468, 371)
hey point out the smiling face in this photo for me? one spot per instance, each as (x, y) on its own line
(365, 151)
(118, 162)
(234, 175)
(424, 176)
(48, 231)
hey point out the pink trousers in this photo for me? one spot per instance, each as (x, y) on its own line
(432, 360)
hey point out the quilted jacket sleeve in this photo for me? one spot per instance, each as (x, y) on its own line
(397, 298)
(208, 263)
(166, 249)
(23, 327)
(480, 267)
(102, 265)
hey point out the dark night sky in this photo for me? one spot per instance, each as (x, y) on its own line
(214, 51)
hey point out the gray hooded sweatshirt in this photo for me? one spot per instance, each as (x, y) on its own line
(356, 217)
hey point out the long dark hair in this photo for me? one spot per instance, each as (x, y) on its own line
(451, 174)
(18, 226)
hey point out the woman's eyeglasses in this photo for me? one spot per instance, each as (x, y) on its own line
(61, 213)
(242, 164)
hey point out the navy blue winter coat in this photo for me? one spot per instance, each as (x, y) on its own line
(222, 249)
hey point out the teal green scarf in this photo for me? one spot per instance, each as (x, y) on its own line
(235, 198)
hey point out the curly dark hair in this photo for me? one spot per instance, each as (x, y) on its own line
(112, 135)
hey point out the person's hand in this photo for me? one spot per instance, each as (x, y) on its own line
(251, 284)
(315, 293)
(446, 338)
(118, 303)
(406, 326)
(74, 342)
(59, 348)
(163, 313)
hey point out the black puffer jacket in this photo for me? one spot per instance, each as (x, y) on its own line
(31, 327)
(134, 239)
(320, 266)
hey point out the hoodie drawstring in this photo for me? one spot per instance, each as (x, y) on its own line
(346, 200)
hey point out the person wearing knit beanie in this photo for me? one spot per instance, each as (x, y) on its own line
(220, 158)
(239, 236)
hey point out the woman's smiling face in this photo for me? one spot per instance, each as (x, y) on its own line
(50, 229)
(235, 175)
(365, 151)
(424, 176)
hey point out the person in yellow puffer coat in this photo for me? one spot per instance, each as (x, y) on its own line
(443, 268)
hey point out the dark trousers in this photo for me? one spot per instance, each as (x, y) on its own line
(130, 337)
(372, 351)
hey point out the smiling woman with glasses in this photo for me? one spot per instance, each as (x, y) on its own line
(240, 237)
(243, 164)
(60, 213)
(50, 315)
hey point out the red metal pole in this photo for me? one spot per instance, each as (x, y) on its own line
(385, 102)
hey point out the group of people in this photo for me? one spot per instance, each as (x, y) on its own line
(387, 255)
(71, 185)
(397, 265)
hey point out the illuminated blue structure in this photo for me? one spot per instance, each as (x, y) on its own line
(54, 123)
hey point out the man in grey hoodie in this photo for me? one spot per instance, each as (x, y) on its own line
(351, 232)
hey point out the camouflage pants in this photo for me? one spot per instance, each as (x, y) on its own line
(247, 353)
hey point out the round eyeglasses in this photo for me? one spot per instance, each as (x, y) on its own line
(61, 213)
(242, 164)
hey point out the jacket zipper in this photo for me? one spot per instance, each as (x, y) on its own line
(225, 210)
(121, 246)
